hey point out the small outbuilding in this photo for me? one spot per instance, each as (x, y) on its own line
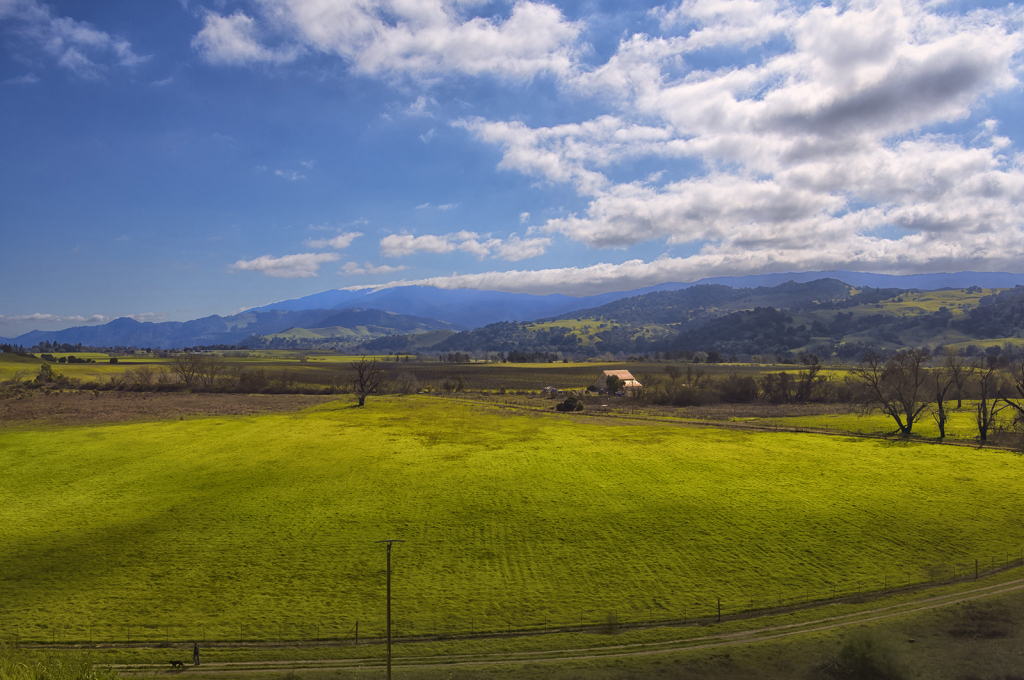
(628, 381)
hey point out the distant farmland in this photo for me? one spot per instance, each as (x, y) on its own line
(233, 526)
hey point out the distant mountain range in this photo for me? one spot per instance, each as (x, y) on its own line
(229, 330)
(476, 308)
(436, 309)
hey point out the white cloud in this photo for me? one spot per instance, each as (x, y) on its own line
(420, 106)
(290, 175)
(511, 249)
(399, 245)
(235, 40)
(524, 217)
(339, 242)
(739, 23)
(352, 269)
(805, 154)
(77, 319)
(75, 45)
(912, 254)
(301, 265)
(54, 318)
(420, 39)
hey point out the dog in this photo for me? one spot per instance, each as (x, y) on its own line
(178, 664)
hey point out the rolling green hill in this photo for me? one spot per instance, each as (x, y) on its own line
(826, 317)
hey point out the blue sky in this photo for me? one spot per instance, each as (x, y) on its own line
(170, 160)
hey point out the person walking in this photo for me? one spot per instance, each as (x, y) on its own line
(195, 653)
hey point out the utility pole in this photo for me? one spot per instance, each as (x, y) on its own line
(389, 542)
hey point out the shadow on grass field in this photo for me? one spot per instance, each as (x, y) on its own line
(969, 632)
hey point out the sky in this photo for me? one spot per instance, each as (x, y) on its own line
(171, 160)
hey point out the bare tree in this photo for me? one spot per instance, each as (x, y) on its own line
(209, 371)
(198, 370)
(139, 377)
(944, 380)
(958, 371)
(407, 383)
(1015, 401)
(673, 372)
(369, 378)
(186, 368)
(895, 386)
(988, 405)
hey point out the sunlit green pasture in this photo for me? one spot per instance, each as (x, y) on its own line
(961, 423)
(225, 522)
(991, 342)
(927, 302)
(102, 370)
(586, 329)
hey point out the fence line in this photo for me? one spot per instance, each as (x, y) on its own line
(708, 609)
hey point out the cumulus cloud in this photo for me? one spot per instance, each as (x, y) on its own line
(352, 269)
(301, 265)
(420, 106)
(235, 40)
(399, 245)
(77, 319)
(812, 149)
(75, 45)
(814, 132)
(861, 253)
(419, 39)
(512, 249)
(339, 242)
(54, 318)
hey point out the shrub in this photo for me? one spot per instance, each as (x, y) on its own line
(864, 656)
(738, 389)
(569, 405)
(406, 383)
(47, 374)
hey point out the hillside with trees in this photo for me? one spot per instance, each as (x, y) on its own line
(826, 317)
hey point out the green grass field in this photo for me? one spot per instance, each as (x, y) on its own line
(219, 523)
(961, 424)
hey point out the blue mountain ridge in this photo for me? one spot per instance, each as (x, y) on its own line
(475, 308)
(461, 307)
